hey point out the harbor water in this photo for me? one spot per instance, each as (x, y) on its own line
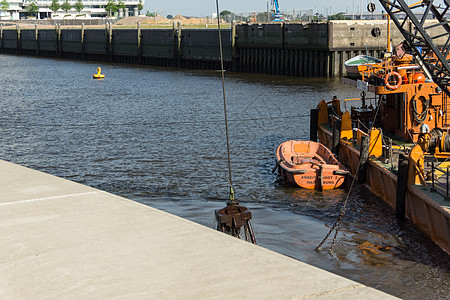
(157, 136)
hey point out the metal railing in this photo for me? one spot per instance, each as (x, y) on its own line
(371, 100)
(435, 187)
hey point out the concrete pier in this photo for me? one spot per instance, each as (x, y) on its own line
(61, 239)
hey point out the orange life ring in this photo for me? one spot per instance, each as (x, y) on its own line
(391, 86)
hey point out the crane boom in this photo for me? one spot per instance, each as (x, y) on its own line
(418, 39)
(277, 16)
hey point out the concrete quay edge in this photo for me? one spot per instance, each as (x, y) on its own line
(61, 239)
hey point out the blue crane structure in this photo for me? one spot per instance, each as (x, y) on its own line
(276, 16)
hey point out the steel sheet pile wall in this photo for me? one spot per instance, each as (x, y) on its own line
(293, 49)
(29, 43)
(283, 49)
(124, 45)
(200, 48)
(163, 47)
(306, 50)
(71, 43)
(94, 44)
(48, 42)
(158, 46)
(9, 41)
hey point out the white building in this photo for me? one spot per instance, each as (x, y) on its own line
(92, 9)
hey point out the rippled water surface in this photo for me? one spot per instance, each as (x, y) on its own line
(157, 136)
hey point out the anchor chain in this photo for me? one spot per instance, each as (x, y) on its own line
(337, 224)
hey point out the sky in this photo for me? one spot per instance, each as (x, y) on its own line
(203, 8)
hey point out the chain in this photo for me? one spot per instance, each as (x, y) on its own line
(337, 224)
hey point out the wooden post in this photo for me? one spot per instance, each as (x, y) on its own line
(82, 41)
(58, 39)
(110, 39)
(107, 50)
(36, 38)
(363, 157)
(313, 124)
(139, 36)
(402, 186)
(233, 45)
(178, 53)
(18, 45)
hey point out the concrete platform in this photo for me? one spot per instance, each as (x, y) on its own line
(60, 239)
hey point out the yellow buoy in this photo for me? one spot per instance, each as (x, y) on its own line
(99, 74)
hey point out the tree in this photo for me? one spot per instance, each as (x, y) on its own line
(4, 5)
(111, 6)
(121, 5)
(262, 17)
(170, 17)
(32, 9)
(140, 7)
(54, 6)
(78, 6)
(149, 14)
(225, 13)
(338, 16)
(66, 6)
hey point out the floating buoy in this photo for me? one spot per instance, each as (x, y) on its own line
(99, 74)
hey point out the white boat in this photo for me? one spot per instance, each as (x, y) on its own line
(357, 65)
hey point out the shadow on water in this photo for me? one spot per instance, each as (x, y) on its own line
(157, 136)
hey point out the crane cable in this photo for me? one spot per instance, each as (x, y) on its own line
(232, 201)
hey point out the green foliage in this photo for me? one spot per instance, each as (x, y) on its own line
(66, 6)
(170, 17)
(150, 14)
(140, 6)
(78, 6)
(317, 17)
(224, 13)
(121, 5)
(4, 5)
(338, 16)
(263, 17)
(32, 9)
(111, 6)
(54, 6)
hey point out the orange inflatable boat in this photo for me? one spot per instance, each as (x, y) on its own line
(310, 165)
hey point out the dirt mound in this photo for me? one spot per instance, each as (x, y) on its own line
(179, 18)
(143, 20)
(130, 21)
